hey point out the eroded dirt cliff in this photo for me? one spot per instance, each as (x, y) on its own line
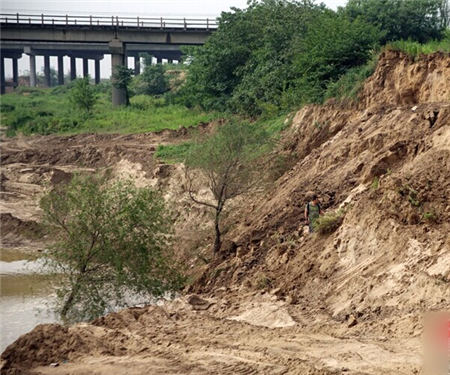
(277, 300)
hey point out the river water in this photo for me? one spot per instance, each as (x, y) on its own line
(25, 296)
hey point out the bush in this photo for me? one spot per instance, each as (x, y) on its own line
(348, 86)
(82, 95)
(111, 242)
(329, 222)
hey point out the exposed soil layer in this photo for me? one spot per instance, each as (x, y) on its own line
(277, 300)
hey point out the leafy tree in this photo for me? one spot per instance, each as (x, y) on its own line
(331, 46)
(111, 241)
(227, 159)
(419, 20)
(152, 81)
(121, 80)
(82, 95)
(246, 62)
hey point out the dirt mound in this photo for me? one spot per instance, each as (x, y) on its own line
(388, 167)
(177, 338)
(401, 80)
(47, 343)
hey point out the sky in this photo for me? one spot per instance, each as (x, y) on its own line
(142, 8)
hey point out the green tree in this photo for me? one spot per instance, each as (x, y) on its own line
(110, 242)
(227, 160)
(330, 47)
(246, 62)
(419, 20)
(122, 77)
(83, 95)
(152, 81)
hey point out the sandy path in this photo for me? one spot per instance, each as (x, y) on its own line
(177, 339)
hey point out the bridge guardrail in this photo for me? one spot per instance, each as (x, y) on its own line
(108, 21)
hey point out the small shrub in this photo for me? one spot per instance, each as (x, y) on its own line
(430, 216)
(83, 95)
(329, 222)
(263, 282)
(375, 183)
(348, 86)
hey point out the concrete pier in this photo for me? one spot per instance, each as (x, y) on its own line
(117, 50)
(97, 71)
(2, 75)
(32, 70)
(85, 67)
(15, 71)
(47, 78)
(60, 70)
(137, 65)
(73, 68)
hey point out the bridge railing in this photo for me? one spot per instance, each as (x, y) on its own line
(116, 21)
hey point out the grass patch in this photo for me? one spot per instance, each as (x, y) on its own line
(415, 49)
(173, 153)
(329, 222)
(48, 111)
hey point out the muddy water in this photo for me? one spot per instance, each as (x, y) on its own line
(24, 296)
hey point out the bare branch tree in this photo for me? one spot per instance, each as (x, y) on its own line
(227, 159)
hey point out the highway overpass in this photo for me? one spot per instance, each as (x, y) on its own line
(91, 37)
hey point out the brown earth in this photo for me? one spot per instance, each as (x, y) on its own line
(278, 301)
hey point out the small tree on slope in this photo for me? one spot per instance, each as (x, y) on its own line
(227, 159)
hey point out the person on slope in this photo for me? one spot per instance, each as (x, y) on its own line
(312, 212)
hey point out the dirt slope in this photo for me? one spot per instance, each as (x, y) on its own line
(282, 301)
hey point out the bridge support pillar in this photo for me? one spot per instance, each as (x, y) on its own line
(73, 68)
(15, 71)
(117, 49)
(137, 65)
(48, 82)
(60, 70)
(159, 60)
(85, 67)
(32, 70)
(97, 71)
(2, 76)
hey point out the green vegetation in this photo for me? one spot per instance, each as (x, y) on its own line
(414, 49)
(329, 222)
(121, 79)
(110, 243)
(350, 83)
(276, 55)
(419, 20)
(152, 81)
(173, 153)
(375, 183)
(430, 217)
(83, 95)
(46, 111)
(227, 160)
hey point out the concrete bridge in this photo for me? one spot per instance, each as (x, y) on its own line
(91, 37)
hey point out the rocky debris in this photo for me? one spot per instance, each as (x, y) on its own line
(198, 303)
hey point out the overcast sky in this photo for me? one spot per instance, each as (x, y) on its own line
(155, 8)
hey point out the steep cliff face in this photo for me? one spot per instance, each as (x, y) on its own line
(387, 163)
(283, 301)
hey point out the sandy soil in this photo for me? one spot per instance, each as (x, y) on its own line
(276, 300)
